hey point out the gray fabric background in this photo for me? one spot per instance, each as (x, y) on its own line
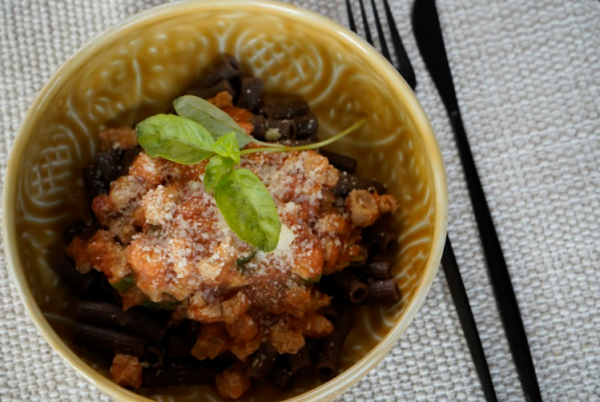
(528, 81)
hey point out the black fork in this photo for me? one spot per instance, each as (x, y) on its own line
(453, 277)
(404, 66)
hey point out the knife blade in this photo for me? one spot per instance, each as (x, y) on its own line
(467, 321)
(428, 34)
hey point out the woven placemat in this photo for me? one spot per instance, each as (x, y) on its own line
(528, 81)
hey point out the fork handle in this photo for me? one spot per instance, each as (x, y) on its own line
(405, 67)
(498, 271)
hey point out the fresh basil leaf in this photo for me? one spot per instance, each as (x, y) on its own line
(227, 146)
(154, 230)
(123, 284)
(216, 121)
(249, 209)
(168, 306)
(217, 167)
(313, 280)
(244, 260)
(175, 138)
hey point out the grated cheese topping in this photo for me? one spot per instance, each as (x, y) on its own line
(185, 245)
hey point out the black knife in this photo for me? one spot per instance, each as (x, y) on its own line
(430, 41)
(467, 321)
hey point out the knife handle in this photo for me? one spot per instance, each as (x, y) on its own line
(498, 271)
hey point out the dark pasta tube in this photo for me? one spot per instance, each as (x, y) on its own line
(224, 361)
(260, 126)
(212, 91)
(224, 69)
(307, 126)
(300, 362)
(153, 356)
(82, 229)
(100, 290)
(349, 182)
(373, 271)
(313, 344)
(113, 316)
(340, 162)
(102, 172)
(180, 346)
(262, 362)
(383, 292)
(179, 374)
(286, 110)
(281, 373)
(73, 229)
(251, 89)
(191, 328)
(384, 241)
(345, 285)
(127, 159)
(363, 255)
(330, 348)
(285, 129)
(331, 312)
(108, 339)
(65, 268)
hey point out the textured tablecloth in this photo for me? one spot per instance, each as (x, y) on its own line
(527, 76)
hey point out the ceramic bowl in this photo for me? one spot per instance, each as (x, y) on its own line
(135, 69)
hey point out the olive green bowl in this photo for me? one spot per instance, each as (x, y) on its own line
(135, 69)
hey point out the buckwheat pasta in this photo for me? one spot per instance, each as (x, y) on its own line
(179, 374)
(281, 373)
(108, 339)
(306, 126)
(65, 268)
(341, 162)
(331, 311)
(259, 123)
(300, 362)
(262, 362)
(384, 241)
(180, 346)
(285, 110)
(153, 356)
(374, 270)
(251, 89)
(384, 291)
(328, 356)
(224, 69)
(104, 170)
(348, 182)
(112, 316)
(280, 129)
(213, 90)
(346, 285)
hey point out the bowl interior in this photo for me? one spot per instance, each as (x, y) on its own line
(136, 71)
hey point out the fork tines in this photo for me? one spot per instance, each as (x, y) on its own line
(404, 66)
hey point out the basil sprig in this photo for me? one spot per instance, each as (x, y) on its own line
(216, 121)
(203, 131)
(248, 208)
(175, 138)
(215, 170)
(244, 260)
(124, 284)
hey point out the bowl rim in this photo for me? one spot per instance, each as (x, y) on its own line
(357, 371)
